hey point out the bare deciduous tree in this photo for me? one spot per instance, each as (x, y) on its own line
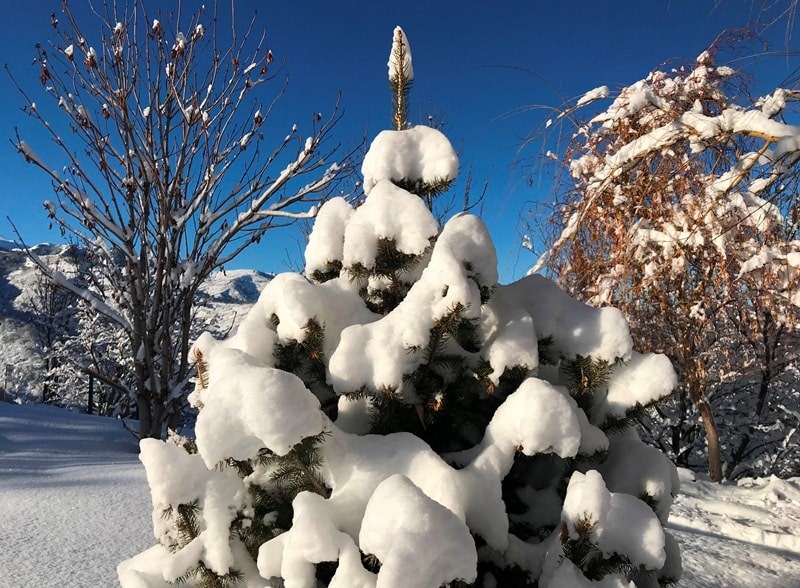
(168, 169)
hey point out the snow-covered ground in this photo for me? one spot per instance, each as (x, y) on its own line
(74, 502)
(745, 535)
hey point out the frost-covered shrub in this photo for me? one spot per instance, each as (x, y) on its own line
(678, 206)
(400, 419)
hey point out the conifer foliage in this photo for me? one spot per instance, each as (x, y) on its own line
(398, 418)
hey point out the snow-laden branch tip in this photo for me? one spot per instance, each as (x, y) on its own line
(400, 64)
(593, 95)
(29, 154)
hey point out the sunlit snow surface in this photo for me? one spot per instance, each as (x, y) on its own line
(74, 502)
(74, 499)
(738, 536)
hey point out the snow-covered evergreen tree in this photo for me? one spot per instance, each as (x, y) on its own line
(397, 418)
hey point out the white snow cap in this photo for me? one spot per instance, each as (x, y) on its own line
(518, 423)
(644, 379)
(326, 241)
(416, 154)
(419, 542)
(295, 301)
(261, 407)
(389, 213)
(395, 65)
(623, 524)
(656, 476)
(592, 95)
(578, 329)
(509, 335)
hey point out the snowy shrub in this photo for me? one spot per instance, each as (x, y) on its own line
(397, 418)
(67, 340)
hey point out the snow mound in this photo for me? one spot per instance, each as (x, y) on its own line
(617, 523)
(417, 154)
(401, 524)
(579, 329)
(326, 241)
(389, 213)
(266, 408)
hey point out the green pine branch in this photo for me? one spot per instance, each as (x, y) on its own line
(547, 352)
(585, 376)
(486, 291)
(204, 577)
(272, 514)
(391, 414)
(332, 270)
(428, 191)
(186, 521)
(632, 417)
(390, 267)
(295, 472)
(390, 261)
(298, 470)
(585, 554)
(305, 359)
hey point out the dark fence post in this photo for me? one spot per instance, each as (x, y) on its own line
(91, 393)
(5, 382)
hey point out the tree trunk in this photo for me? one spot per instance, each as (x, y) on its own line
(145, 417)
(763, 390)
(766, 366)
(677, 430)
(714, 452)
(695, 376)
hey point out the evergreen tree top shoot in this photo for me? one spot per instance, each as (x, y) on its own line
(401, 74)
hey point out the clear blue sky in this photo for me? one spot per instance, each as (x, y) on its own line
(468, 61)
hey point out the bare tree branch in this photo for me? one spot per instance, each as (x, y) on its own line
(169, 167)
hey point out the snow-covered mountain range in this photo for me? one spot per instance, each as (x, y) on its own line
(19, 357)
(222, 302)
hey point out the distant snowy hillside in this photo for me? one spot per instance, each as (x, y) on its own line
(225, 298)
(221, 303)
(8, 244)
(235, 286)
(20, 359)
